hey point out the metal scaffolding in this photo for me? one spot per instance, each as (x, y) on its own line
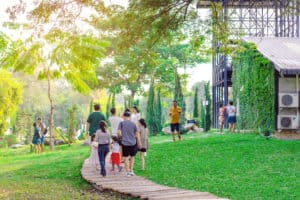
(259, 18)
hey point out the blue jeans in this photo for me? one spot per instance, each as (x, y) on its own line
(102, 152)
(42, 139)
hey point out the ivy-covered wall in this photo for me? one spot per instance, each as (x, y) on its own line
(254, 89)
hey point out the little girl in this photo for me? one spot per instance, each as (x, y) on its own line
(94, 158)
(115, 154)
(143, 131)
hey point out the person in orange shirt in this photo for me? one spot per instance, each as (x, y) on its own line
(175, 112)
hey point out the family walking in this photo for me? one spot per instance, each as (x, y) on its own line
(128, 135)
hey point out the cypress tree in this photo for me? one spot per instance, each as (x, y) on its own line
(202, 115)
(113, 100)
(150, 116)
(158, 111)
(91, 105)
(207, 107)
(178, 96)
(108, 108)
(196, 110)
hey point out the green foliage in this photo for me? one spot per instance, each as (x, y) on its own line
(11, 139)
(207, 107)
(150, 116)
(254, 89)
(178, 96)
(72, 121)
(202, 115)
(24, 125)
(196, 107)
(233, 166)
(108, 104)
(10, 98)
(3, 144)
(158, 112)
(113, 100)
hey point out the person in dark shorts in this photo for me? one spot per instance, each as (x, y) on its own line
(175, 112)
(130, 139)
(36, 140)
(93, 121)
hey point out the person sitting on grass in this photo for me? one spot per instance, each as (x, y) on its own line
(115, 156)
(36, 139)
(94, 158)
(144, 141)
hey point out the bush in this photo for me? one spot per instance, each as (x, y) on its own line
(3, 144)
(11, 139)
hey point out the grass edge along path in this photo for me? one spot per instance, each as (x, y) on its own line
(53, 175)
(234, 166)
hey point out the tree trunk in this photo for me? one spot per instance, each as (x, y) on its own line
(51, 125)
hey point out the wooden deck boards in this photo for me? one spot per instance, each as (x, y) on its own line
(140, 187)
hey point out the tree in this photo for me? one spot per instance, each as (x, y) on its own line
(178, 96)
(108, 107)
(196, 107)
(158, 112)
(150, 116)
(202, 115)
(72, 123)
(10, 98)
(62, 51)
(207, 107)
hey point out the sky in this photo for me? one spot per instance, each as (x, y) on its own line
(199, 73)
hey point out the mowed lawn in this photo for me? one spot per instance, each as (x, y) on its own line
(235, 166)
(53, 175)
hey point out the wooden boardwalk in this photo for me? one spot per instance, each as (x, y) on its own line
(137, 186)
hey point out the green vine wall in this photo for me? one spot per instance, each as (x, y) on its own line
(254, 89)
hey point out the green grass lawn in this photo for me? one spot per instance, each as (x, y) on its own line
(53, 175)
(233, 166)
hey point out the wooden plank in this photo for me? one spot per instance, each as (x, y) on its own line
(138, 186)
(188, 194)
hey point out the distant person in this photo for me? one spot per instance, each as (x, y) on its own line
(94, 120)
(221, 117)
(115, 156)
(42, 131)
(94, 157)
(114, 121)
(143, 131)
(36, 139)
(231, 110)
(135, 115)
(130, 137)
(175, 112)
(103, 139)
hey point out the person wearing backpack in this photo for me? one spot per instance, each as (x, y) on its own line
(42, 131)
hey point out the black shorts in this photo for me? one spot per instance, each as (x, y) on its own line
(142, 150)
(129, 150)
(175, 127)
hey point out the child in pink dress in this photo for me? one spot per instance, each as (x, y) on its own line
(94, 158)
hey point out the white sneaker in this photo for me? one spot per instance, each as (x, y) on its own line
(131, 173)
(128, 174)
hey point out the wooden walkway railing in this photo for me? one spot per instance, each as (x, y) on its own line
(137, 186)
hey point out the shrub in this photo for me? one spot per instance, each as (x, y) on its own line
(11, 139)
(3, 144)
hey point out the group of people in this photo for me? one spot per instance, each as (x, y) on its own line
(129, 134)
(231, 111)
(39, 133)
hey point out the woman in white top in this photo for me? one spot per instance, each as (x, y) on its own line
(135, 115)
(231, 110)
(114, 121)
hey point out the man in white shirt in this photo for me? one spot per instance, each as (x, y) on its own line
(114, 121)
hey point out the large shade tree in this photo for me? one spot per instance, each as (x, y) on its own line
(61, 51)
